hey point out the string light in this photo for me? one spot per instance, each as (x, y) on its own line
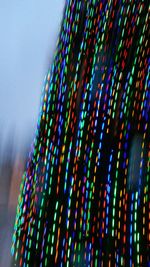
(84, 197)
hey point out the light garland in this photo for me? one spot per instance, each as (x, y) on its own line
(80, 201)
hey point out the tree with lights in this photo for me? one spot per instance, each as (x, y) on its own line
(84, 198)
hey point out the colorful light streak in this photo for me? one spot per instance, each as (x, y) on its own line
(78, 204)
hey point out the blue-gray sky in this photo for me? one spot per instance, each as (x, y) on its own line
(28, 35)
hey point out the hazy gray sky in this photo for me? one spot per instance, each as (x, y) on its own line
(28, 35)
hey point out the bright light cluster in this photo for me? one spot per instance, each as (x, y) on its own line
(85, 195)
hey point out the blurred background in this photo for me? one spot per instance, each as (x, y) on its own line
(29, 31)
